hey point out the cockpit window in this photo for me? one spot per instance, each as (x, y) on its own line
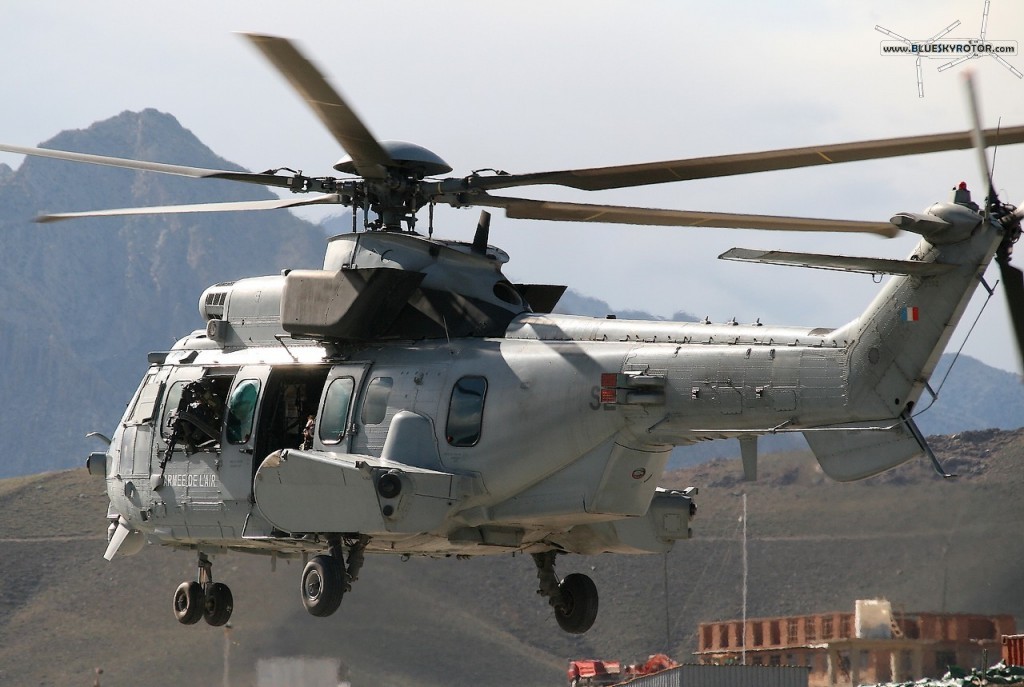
(171, 401)
(241, 409)
(334, 418)
(375, 403)
(146, 400)
(466, 411)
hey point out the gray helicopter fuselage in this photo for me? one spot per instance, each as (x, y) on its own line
(551, 436)
(547, 447)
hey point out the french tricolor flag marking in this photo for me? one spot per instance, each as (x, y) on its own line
(910, 314)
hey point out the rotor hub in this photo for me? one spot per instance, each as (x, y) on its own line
(409, 158)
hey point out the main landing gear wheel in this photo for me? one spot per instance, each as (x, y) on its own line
(578, 610)
(218, 604)
(323, 585)
(574, 599)
(203, 598)
(188, 603)
(327, 577)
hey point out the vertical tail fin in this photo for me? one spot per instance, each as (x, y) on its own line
(896, 343)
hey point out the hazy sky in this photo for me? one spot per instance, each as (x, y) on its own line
(532, 86)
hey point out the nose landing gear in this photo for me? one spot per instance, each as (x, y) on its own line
(203, 598)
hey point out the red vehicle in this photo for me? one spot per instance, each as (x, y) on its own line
(589, 673)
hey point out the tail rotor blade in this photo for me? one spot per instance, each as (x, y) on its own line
(978, 138)
(1013, 284)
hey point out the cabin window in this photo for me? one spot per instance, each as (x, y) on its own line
(334, 417)
(241, 409)
(466, 411)
(375, 403)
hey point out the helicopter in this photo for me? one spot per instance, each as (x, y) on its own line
(409, 399)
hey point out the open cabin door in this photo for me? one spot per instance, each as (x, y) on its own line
(267, 411)
(290, 399)
(239, 431)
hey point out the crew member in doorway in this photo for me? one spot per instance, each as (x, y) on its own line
(307, 433)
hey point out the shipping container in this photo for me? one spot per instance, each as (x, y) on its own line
(1013, 650)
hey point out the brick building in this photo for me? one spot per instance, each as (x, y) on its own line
(872, 644)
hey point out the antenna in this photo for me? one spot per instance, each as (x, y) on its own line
(448, 338)
(483, 227)
(743, 653)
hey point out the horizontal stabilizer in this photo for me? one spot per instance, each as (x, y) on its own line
(843, 263)
(856, 453)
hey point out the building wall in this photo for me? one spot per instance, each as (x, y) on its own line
(797, 631)
(923, 645)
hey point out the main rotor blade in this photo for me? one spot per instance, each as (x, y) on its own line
(522, 208)
(600, 178)
(272, 204)
(370, 159)
(141, 165)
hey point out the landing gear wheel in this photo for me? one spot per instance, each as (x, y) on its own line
(188, 603)
(218, 604)
(578, 610)
(323, 585)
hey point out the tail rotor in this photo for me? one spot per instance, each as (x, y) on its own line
(1007, 216)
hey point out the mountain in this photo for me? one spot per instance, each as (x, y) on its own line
(974, 396)
(813, 545)
(575, 303)
(81, 303)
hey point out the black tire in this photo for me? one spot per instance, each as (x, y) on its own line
(188, 603)
(323, 585)
(218, 604)
(578, 610)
